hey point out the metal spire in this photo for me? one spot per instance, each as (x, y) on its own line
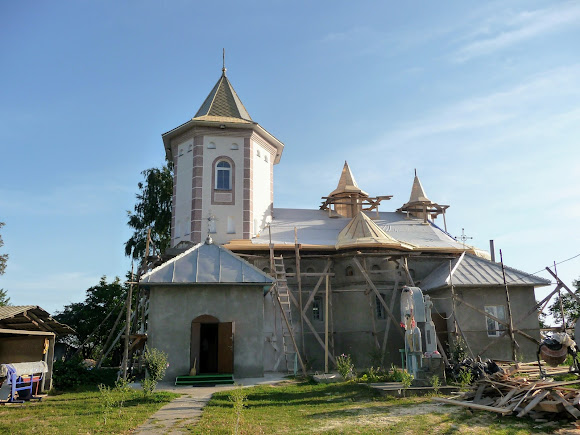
(224, 61)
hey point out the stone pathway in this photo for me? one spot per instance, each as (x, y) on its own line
(187, 409)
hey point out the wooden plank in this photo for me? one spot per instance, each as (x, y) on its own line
(473, 405)
(479, 393)
(388, 326)
(505, 399)
(537, 399)
(571, 409)
(313, 292)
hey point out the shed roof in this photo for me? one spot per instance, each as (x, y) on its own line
(31, 318)
(206, 263)
(471, 271)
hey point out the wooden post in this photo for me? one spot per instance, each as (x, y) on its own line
(110, 337)
(128, 321)
(453, 305)
(388, 326)
(299, 280)
(509, 309)
(326, 329)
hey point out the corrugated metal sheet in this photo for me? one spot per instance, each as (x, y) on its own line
(471, 271)
(206, 263)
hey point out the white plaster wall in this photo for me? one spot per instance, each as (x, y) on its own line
(262, 204)
(221, 212)
(183, 191)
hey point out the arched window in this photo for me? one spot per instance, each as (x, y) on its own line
(223, 176)
(349, 271)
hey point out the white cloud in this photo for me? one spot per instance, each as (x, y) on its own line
(518, 28)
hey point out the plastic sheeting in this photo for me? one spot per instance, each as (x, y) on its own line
(27, 368)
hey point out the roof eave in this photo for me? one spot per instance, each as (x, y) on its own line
(244, 124)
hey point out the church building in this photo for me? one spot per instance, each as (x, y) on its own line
(253, 288)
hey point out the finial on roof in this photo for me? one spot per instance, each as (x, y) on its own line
(208, 240)
(415, 172)
(224, 62)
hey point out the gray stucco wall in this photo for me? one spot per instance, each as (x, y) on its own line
(474, 323)
(173, 308)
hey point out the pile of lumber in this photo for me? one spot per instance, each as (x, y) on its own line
(540, 400)
(532, 371)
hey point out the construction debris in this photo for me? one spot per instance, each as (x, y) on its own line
(538, 399)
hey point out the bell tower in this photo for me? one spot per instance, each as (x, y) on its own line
(223, 161)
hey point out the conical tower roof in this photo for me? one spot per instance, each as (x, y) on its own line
(347, 183)
(223, 102)
(417, 192)
(362, 231)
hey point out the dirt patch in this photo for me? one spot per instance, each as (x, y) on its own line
(383, 416)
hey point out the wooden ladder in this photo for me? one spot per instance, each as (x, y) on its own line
(283, 296)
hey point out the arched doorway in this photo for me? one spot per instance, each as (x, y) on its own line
(212, 345)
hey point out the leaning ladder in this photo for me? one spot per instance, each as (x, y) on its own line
(283, 296)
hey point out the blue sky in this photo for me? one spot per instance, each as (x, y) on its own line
(480, 97)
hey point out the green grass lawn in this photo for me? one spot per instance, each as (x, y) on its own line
(304, 407)
(80, 413)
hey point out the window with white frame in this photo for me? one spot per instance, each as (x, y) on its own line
(494, 328)
(223, 176)
(317, 309)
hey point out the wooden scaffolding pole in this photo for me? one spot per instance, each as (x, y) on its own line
(388, 325)
(299, 281)
(563, 285)
(326, 328)
(128, 317)
(509, 310)
(378, 294)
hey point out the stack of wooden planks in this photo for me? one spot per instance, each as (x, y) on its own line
(540, 400)
(532, 371)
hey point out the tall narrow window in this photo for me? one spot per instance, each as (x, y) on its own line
(317, 309)
(223, 176)
(381, 314)
(494, 329)
(231, 225)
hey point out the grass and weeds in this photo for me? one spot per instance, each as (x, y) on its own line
(83, 412)
(303, 407)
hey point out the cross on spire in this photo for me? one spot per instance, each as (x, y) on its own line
(463, 237)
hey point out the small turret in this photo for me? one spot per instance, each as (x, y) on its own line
(347, 200)
(420, 206)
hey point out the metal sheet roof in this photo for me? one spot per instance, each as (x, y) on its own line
(471, 271)
(315, 227)
(31, 318)
(206, 263)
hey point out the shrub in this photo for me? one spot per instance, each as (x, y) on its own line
(435, 383)
(156, 365)
(72, 374)
(345, 366)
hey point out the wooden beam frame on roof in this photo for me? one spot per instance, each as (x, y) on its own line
(24, 332)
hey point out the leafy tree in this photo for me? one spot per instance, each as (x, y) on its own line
(4, 299)
(152, 210)
(91, 315)
(570, 305)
